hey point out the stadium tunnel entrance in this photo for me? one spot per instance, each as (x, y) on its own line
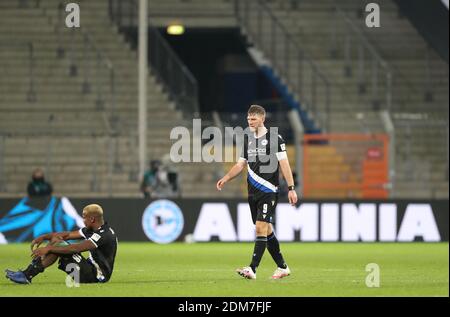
(228, 79)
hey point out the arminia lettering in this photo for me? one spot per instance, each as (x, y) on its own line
(324, 222)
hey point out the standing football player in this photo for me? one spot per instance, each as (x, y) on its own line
(263, 153)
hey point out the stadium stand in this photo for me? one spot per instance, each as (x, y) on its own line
(419, 103)
(78, 114)
(82, 133)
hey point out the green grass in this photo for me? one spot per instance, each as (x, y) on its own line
(326, 269)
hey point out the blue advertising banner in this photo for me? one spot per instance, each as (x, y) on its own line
(166, 221)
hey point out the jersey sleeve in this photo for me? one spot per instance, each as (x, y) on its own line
(281, 149)
(99, 239)
(83, 232)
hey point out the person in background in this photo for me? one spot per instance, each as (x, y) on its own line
(172, 176)
(38, 186)
(149, 180)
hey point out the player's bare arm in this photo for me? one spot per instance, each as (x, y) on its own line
(287, 174)
(69, 249)
(232, 173)
(55, 237)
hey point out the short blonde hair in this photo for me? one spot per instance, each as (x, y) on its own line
(256, 109)
(94, 210)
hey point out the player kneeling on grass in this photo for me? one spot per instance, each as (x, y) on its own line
(259, 151)
(99, 239)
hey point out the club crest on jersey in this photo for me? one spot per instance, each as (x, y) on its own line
(264, 142)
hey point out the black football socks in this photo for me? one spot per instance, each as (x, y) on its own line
(274, 249)
(260, 247)
(34, 268)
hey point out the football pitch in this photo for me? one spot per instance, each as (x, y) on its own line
(208, 269)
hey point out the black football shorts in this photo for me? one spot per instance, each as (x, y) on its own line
(87, 271)
(263, 207)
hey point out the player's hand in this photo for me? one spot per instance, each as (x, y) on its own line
(221, 182)
(40, 252)
(37, 242)
(56, 239)
(292, 195)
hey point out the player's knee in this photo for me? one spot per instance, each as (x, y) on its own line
(261, 229)
(55, 240)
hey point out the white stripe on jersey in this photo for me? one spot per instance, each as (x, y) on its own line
(261, 180)
(100, 276)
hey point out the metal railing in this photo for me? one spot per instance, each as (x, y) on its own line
(181, 85)
(99, 78)
(27, 3)
(48, 139)
(357, 49)
(25, 45)
(2, 166)
(87, 61)
(177, 80)
(294, 65)
(90, 62)
(419, 167)
(20, 4)
(375, 76)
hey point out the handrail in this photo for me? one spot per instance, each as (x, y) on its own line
(289, 36)
(172, 53)
(105, 59)
(99, 56)
(390, 69)
(361, 36)
(294, 59)
(303, 56)
(183, 89)
(32, 133)
(409, 125)
(25, 3)
(90, 59)
(374, 53)
(31, 95)
(2, 155)
(373, 50)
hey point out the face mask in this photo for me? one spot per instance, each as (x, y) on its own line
(38, 179)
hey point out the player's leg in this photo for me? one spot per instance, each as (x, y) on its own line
(273, 245)
(86, 271)
(274, 249)
(37, 266)
(260, 243)
(265, 209)
(265, 217)
(258, 251)
(247, 271)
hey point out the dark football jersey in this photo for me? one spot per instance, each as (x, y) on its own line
(104, 254)
(262, 155)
